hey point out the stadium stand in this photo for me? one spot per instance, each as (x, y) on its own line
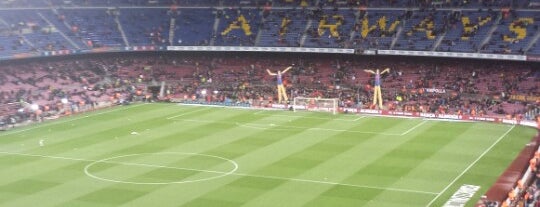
(481, 89)
(472, 27)
(442, 86)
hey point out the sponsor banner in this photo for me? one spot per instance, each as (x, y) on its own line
(433, 115)
(370, 111)
(278, 106)
(478, 118)
(141, 48)
(441, 116)
(349, 110)
(144, 48)
(510, 121)
(529, 123)
(312, 108)
(492, 119)
(462, 196)
(105, 49)
(260, 49)
(302, 107)
(448, 116)
(322, 109)
(369, 52)
(400, 113)
(535, 58)
(58, 52)
(21, 55)
(435, 90)
(428, 115)
(525, 98)
(453, 55)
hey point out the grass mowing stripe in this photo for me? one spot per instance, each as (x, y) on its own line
(353, 161)
(63, 131)
(41, 125)
(136, 148)
(63, 184)
(189, 112)
(84, 136)
(470, 165)
(413, 128)
(309, 117)
(216, 172)
(336, 183)
(186, 132)
(389, 168)
(433, 172)
(246, 147)
(288, 128)
(292, 165)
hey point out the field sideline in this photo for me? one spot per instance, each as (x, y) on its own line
(178, 155)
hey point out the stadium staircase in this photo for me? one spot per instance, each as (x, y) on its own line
(533, 41)
(490, 33)
(395, 39)
(356, 21)
(304, 36)
(215, 28)
(6, 25)
(66, 24)
(259, 33)
(60, 32)
(172, 25)
(438, 41)
(119, 26)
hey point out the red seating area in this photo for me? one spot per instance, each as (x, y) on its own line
(464, 86)
(472, 87)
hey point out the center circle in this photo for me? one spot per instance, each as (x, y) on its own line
(218, 174)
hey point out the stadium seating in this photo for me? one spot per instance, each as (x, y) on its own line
(73, 25)
(472, 27)
(514, 33)
(237, 27)
(467, 31)
(192, 27)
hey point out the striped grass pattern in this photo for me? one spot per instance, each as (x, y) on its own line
(177, 155)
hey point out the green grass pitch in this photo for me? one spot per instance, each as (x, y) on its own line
(177, 155)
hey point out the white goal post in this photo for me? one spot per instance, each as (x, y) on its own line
(316, 104)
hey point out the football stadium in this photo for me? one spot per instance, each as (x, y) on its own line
(270, 103)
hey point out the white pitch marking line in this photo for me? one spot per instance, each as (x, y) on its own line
(307, 117)
(110, 162)
(288, 128)
(472, 164)
(285, 128)
(259, 112)
(201, 121)
(414, 127)
(189, 112)
(361, 117)
(220, 172)
(335, 183)
(70, 120)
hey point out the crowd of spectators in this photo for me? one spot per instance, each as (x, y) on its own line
(476, 88)
(39, 88)
(450, 86)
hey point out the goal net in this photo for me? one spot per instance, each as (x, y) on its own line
(316, 104)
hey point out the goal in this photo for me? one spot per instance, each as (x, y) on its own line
(316, 104)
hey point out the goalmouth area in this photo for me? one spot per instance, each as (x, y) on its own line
(164, 154)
